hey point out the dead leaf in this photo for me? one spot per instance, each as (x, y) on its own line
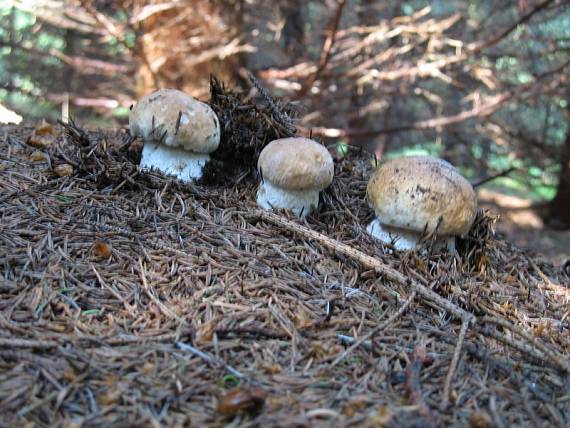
(205, 332)
(355, 406)
(148, 368)
(70, 375)
(40, 142)
(44, 128)
(44, 135)
(539, 329)
(480, 420)
(271, 368)
(101, 249)
(37, 156)
(381, 417)
(241, 399)
(64, 170)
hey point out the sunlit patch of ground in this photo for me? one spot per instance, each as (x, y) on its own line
(9, 116)
(523, 226)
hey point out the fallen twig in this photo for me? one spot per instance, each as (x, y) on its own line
(555, 359)
(276, 112)
(27, 343)
(326, 51)
(367, 344)
(213, 361)
(493, 177)
(368, 261)
(453, 365)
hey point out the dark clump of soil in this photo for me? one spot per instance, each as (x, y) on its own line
(247, 125)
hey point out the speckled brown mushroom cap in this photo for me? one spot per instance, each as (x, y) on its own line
(188, 123)
(296, 164)
(412, 192)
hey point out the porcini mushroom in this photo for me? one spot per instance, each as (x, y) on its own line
(420, 195)
(293, 171)
(179, 132)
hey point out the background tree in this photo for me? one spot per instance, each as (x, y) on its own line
(558, 214)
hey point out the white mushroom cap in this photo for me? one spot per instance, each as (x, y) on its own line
(296, 164)
(422, 193)
(294, 171)
(179, 132)
(189, 124)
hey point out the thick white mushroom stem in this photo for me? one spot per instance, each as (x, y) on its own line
(301, 202)
(185, 165)
(403, 239)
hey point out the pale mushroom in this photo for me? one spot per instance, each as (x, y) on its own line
(293, 171)
(179, 133)
(420, 195)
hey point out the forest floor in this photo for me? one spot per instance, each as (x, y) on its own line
(130, 299)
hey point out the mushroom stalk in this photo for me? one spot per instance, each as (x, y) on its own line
(301, 202)
(184, 165)
(403, 239)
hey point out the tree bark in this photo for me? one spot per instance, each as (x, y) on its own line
(180, 47)
(558, 213)
(360, 97)
(294, 29)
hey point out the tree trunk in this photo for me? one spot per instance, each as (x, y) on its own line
(360, 97)
(180, 47)
(294, 29)
(559, 208)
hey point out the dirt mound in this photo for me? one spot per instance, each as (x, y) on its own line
(129, 299)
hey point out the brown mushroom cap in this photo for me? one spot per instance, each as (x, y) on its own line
(188, 123)
(296, 164)
(414, 192)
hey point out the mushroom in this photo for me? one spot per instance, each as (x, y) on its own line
(417, 196)
(293, 172)
(179, 132)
